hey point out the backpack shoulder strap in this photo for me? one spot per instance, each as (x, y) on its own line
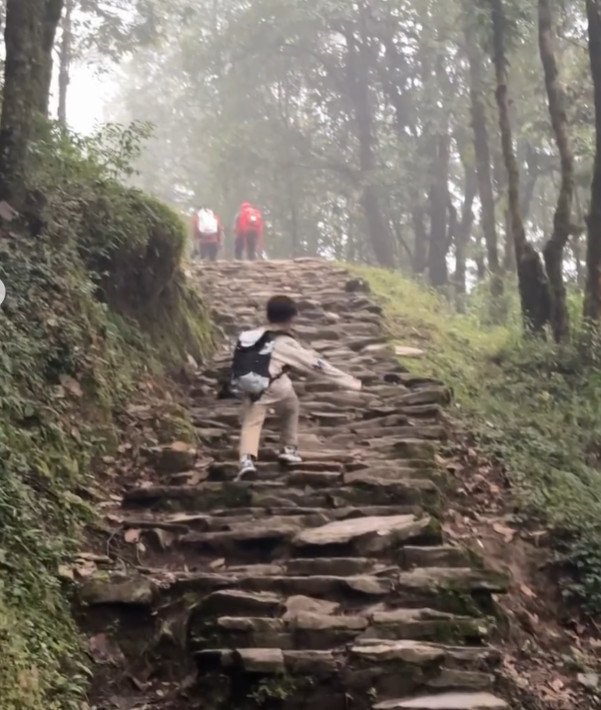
(275, 334)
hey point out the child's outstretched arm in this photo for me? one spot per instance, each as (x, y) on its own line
(291, 353)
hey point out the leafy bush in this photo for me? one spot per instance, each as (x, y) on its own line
(75, 342)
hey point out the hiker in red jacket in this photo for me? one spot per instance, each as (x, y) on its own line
(249, 232)
(208, 234)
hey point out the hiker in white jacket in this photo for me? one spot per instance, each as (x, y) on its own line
(285, 353)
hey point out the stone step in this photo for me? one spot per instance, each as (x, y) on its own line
(369, 535)
(327, 584)
(221, 520)
(330, 587)
(458, 591)
(208, 496)
(409, 668)
(264, 534)
(322, 631)
(299, 567)
(446, 701)
(436, 556)
(344, 513)
(427, 625)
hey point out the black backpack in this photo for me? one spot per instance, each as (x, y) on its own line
(250, 367)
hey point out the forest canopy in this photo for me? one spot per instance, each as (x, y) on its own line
(459, 146)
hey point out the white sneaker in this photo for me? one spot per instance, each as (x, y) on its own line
(247, 465)
(290, 455)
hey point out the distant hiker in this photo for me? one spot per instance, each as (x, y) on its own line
(262, 360)
(208, 234)
(249, 229)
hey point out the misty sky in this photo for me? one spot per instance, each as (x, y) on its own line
(88, 94)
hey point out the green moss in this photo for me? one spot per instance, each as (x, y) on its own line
(76, 342)
(532, 404)
(175, 425)
(280, 688)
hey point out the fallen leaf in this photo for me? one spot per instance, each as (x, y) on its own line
(164, 538)
(589, 680)
(71, 385)
(527, 591)
(65, 572)
(506, 532)
(85, 568)
(132, 536)
(103, 650)
(138, 684)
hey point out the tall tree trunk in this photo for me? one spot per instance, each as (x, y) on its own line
(509, 263)
(480, 262)
(23, 37)
(534, 172)
(439, 202)
(392, 73)
(577, 232)
(463, 231)
(483, 161)
(562, 223)
(51, 15)
(592, 302)
(358, 61)
(420, 251)
(66, 54)
(533, 286)
(293, 206)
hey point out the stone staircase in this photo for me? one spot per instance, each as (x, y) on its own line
(326, 585)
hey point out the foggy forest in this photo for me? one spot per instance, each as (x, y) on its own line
(300, 312)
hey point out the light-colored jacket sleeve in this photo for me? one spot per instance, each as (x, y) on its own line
(290, 353)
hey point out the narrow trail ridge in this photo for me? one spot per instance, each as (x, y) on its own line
(327, 585)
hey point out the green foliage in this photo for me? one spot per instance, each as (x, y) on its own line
(282, 688)
(131, 244)
(70, 356)
(530, 403)
(109, 153)
(264, 112)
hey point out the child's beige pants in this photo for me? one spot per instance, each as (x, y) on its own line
(285, 403)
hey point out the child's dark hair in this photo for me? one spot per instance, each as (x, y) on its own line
(281, 309)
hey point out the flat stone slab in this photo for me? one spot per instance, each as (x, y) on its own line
(299, 604)
(262, 660)
(346, 531)
(135, 590)
(463, 579)
(309, 621)
(310, 662)
(447, 701)
(174, 458)
(237, 601)
(411, 652)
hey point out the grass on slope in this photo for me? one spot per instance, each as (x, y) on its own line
(535, 405)
(95, 302)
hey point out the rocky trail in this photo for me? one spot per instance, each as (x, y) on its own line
(326, 585)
